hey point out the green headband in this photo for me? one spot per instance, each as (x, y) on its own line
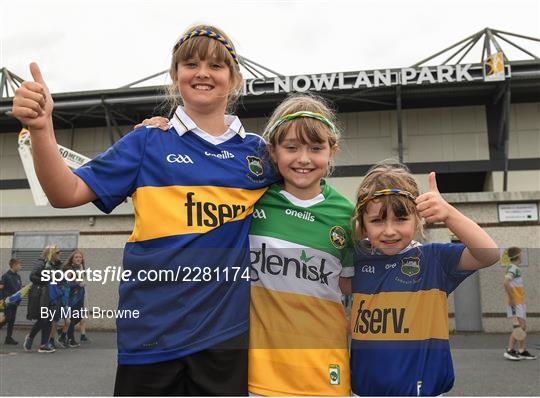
(385, 192)
(312, 115)
(212, 35)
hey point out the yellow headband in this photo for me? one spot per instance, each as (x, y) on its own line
(212, 35)
(385, 192)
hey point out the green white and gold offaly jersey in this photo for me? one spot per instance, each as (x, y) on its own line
(298, 328)
(517, 291)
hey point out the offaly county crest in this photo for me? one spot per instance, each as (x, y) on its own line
(255, 165)
(338, 237)
(410, 266)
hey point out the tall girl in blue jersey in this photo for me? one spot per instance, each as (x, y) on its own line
(193, 208)
(399, 319)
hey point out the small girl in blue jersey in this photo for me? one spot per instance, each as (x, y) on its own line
(194, 188)
(399, 319)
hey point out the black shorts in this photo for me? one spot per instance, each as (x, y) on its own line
(220, 370)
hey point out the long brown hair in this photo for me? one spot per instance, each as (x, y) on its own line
(69, 262)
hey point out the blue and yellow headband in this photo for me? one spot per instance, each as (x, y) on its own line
(385, 192)
(312, 115)
(212, 35)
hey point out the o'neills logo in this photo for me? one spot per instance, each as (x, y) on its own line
(304, 215)
(209, 214)
(280, 265)
(221, 155)
(379, 320)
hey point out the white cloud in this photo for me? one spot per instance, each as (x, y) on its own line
(100, 44)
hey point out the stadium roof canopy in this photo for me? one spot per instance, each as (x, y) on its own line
(492, 80)
(448, 83)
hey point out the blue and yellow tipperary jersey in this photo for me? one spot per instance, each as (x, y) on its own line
(189, 250)
(399, 320)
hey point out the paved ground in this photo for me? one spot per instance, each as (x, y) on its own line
(90, 370)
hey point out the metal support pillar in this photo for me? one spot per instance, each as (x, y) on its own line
(399, 123)
(506, 133)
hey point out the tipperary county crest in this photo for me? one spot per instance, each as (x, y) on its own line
(410, 266)
(255, 165)
(338, 237)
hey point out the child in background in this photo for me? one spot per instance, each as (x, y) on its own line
(12, 284)
(75, 301)
(517, 311)
(399, 317)
(193, 208)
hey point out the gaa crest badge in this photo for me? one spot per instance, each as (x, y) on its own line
(255, 165)
(338, 237)
(410, 266)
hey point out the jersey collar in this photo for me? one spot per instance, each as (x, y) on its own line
(365, 245)
(182, 123)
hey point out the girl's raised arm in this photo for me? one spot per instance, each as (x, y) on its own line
(33, 106)
(480, 249)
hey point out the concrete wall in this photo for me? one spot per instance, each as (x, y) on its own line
(433, 134)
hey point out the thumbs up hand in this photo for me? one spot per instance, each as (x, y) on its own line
(431, 205)
(33, 104)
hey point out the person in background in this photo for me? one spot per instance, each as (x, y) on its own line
(43, 294)
(12, 284)
(516, 310)
(76, 294)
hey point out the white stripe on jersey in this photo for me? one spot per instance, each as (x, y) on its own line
(331, 269)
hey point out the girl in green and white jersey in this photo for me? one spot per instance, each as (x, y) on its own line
(300, 241)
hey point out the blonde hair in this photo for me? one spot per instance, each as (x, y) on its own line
(49, 251)
(387, 174)
(203, 47)
(307, 129)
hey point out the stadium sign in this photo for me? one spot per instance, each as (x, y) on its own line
(374, 78)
